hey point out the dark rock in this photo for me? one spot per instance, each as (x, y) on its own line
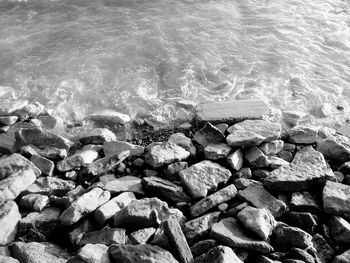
(52, 153)
(235, 210)
(304, 202)
(335, 198)
(9, 217)
(29, 111)
(302, 220)
(221, 254)
(124, 184)
(323, 251)
(76, 235)
(8, 120)
(117, 147)
(244, 172)
(208, 134)
(286, 155)
(34, 202)
(299, 254)
(256, 158)
(96, 136)
(336, 148)
(202, 247)
(45, 165)
(340, 229)
(106, 236)
(222, 127)
(16, 163)
(142, 236)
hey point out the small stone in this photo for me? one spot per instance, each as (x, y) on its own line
(138, 162)
(336, 199)
(29, 111)
(222, 207)
(150, 173)
(106, 236)
(304, 202)
(171, 172)
(222, 127)
(303, 134)
(286, 155)
(180, 139)
(276, 162)
(77, 234)
(244, 172)
(8, 120)
(6, 259)
(124, 184)
(209, 202)
(235, 160)
(221, 254)
(260, 174)
(208, 134)
(45, 165)
(50, 186)
(256, 158)
(96, 136)
(50, 122)
(142, 236)
(236, 209)
(293, 117)
(34, 202)
(9, 217)
(77, 160)
(94, 253)
(297, 254)
(103, 165)
(340, 229)
(216, 151)
(4, 129)
(109, 117)
(243, 183)
(342, 258)
(323, 251)
(303, 220)
(290, 147)
(272, 148)
(16, 163)
(336, 148)
(202, 177)
(52, 153)
(185, 126)
(116, 147)
(202, 247)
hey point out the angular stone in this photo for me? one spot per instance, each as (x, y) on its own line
(209, 202)
(8, 103)
(292, 117)
(323, 251)
(342, 258)
(303, 134)
(15, 184)
(336, 148)
(5, 259)
(29, 111)
(8, 120)
(94, 253)
(230, 232)
(302, 220)
(336, 199)
(9, 217)
(142, 236)
(45, 165)
(286, 155)
(108, 210)
(50, 186)
(117, 147)
(77, 234)
(34, 202)
(16, 163)
(297, 254)
(243, 138)
(216, 151)
(202, 247)
(171, 172)
(177, 240)
(256, 158)
(222, 127)
(96, 136)
(4, 129)
(106, 236)
(235, 160)
(221, 254)
(199, 227)
(77, 160)
(52, 153)
(183, 141)
(50, 122)
(304, 202)
(208, 134)
(340, 229)
(143, 253)
(41, 139)
(243, 183)
(109, 117)
(8, 140)
(164, 189)
(161, 153)
(272, 148)
(202, 177)
(244, 172)
(259, 221)
(84, 205)
(310, 155)
(124, 184)
(276, 162)
(146, 212)
(104, 165)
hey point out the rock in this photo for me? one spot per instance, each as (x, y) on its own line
(216, 151)
(259, 221)
(244, 172)
(124, 184)
(336, 198)
(4, 129)
(323, 251)
(293, 117)
(202, 177)
(34, 202)
(50, 186)
(284, 237)
(260, 198)
(77, 234)
(41, 139)
(34, 252)
(177, 240)
(9, 105)
(209, 202)
(286, 155)
(336, 148)
(200, 226)
(106, 236)
(116, 147)
(202, 247)
(272, 148)
(50, 122)
(146, 212)
(276, 162)
(230, 232)
(29, 111)
(162, 188)
(304, 202)
(94, 253)
(142, 236)
(222, 127)
(8, 140)
(340, 229)
(15, 184)
(303, 134)
(5, 259)
(299, 255)
(180, 139)
(342, 258)
(9, 217)
(45, 165)
(345, 168)
(240, 138)
(161, 153)
(171, 172)
(209, 134)
(8, 120)
(84, 205)
(77, 160)
(5, 251)
(235, 160)
(52, 153)
(221, 254)
(243, 183)
(302, 220)
(103, 165)
(143, 253)
(96, 136)
(310, 155)
(16, 163)
(256, 158)
(109, 117)
(108, 210)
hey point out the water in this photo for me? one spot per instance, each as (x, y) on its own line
(141, 56)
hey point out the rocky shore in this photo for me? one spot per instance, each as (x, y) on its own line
(242, 190)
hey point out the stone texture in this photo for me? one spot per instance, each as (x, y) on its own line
(96, 136)
(9, 217)
(124, 184)
(256, 158)
(34, 202)
(29, 111)
(77, 234)
(303, 134)
(259, 221)
(260, 198)
(143, 253)
(243, 183)
(304, 202)
(94, 253)
(339, 229)
(45, 165)
(50, 186)
(109, 117)
(240, 138)
(207, 135)
(336, 199)
(336, 148)
(77, 160)
(235, 160)
(16, 163)
(302, 220)
(161, 153)
(276, 162)
(171, 172)
(142, 236)
(202, 177)
(84, 205)
(106, 236)
(183, 141)
(293, 117)
(272, 148)
(221, 254)
(8, 120)
(342, 258)
(323, 251)
(216, 151)
(5, 259)
(230, 232)
(209, 202)
(117, 147)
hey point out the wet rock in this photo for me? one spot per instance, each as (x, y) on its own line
(336, 148)
(340, 229)
(200, 226)
(304, 202)
(260, 198)
(276, 162)
(235, 160)
(303, 134)
(103, 165)
(8, 120)
(342, 258)
(9, 217)
(116, 147)
(50, 122)
(202, 177)
(164, 189)
(140, 253)
(293, 117)
(209, 202)
(259, 221)
(94, 253)
(221, 254)
(108, 210)
(77, 160)
(161, 153)
(10, 106)
(171, 172)
(243, 183)
(16, 163)
(41, 139)
(124, 184)
(109, 117)
(216, 151)
(77, 234)
(323, 251)
(302, 220)
(208, 134)
(182, 140)
(230, 232)
(96, 136)
(5, 259)
(34, 202)
(146, 212)
(45, 165)
(177, 240)
(84, 205)
(50, 186)
(272, 148)
(142, 236)
(106, 236)
(336, 198)
(256, 158)
(29, 111)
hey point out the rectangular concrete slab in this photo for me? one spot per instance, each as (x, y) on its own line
(231, 111)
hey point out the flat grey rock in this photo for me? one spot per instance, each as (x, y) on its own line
(106, 236)
(9, 217)
(109, 117)
(336, 199)
(124, 184)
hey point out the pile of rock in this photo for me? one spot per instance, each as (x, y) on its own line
(244, 193)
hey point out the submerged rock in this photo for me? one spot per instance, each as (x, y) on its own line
(109, 117)
(16, 163)
(208, 134)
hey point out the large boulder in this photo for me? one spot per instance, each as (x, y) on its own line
(336, 199)
(9, 217)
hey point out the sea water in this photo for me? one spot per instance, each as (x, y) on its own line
(142, 56)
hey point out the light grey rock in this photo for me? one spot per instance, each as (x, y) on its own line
(8, 120)
(6, 259)
(293, 117)
(117, 147)
(256, 158)
(77, 160)
(94, 253)
(336, 148)
(271, 148)
(16, 163)
(304, 202)
(342, 258)
(109, 117)
(243, 183)
(310, 155)
(240, 138)
(336, 199)
(50, 186)
(303, 134)
(216, 151)
(124, 184)
(276, 162)
(221, 254)
(202, 177)
(339, 229)
(235, 160)
(183, 141)
(208, 134)
(45, 165)
(142, 236)
(171, 172)
(106, 236)
(34, 202)
(96, 136)
(9, 217)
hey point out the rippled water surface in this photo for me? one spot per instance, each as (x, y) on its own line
(141, 56)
